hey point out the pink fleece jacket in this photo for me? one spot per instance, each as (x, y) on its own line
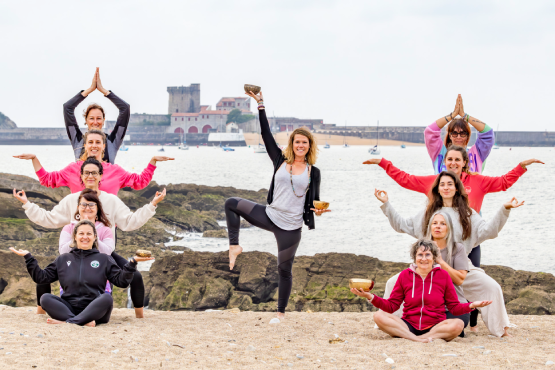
(425, 299)
(106, 243)
(113, 179)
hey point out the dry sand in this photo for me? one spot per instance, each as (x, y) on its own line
(221, 340)
(281, 138)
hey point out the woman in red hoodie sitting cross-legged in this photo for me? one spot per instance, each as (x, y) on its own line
(426, 290)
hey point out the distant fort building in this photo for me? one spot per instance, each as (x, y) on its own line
(184, 99)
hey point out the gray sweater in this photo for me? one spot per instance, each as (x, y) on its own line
(481, 229)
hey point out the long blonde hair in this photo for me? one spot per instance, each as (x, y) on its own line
(312, 154)
(84, 156)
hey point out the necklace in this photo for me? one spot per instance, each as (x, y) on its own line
(292, 186)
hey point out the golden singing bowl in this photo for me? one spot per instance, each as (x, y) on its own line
(321, 205)
(363, 284)
(252, 88)
(143, 253)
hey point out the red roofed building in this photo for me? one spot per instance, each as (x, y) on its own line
(228, 104)
(201, 122)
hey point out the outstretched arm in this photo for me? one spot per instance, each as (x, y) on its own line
(495, 184)
(128, 220)
(118, 133)
(141, 180)
(419, 184)
(36, 163)
(39, 276)
(269, 142)
(399, 223)
(490, 229)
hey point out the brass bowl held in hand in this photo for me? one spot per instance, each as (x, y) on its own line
(321, 205)
(252, 88)
(143, 253)
(363, 284)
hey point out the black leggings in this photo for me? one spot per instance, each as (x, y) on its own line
(137, 285)
(475, 256)
(98, 310)
(287, 240)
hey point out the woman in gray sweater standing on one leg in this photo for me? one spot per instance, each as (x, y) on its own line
(295, 185)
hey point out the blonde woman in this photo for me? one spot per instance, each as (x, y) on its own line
(294, 187)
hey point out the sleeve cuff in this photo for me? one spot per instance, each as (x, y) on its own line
(28, 256)
(151, 167)
(27, 205)
(383, 163)
(40, 173)
(486, 129)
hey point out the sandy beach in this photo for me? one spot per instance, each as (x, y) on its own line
(239, 340)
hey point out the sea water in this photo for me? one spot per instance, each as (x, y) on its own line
(356, 223)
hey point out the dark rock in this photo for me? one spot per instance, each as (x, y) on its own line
(222, 233)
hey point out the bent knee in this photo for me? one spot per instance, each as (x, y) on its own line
(457, 326)
(379, 316)
(230, 203)
(106, 298)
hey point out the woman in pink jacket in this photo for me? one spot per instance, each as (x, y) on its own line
(426, 289)
(115, 177)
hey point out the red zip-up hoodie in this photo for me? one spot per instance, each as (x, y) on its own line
(477, 186)
(425, 299)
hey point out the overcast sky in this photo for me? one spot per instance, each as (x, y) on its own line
(400, 62)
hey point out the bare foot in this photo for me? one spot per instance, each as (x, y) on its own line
(92, 324)
(281, 316)
(40, 311)
(52, 321)
(474, 329)
(506, 333)
(234, 251)
(139, 313)
(425, 340)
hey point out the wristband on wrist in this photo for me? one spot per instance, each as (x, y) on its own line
(467, 116)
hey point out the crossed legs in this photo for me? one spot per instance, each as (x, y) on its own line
(396, 327)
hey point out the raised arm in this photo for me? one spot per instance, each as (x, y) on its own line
(118, 133)
(401, 224)
(127, 220)
(40, 276)
(72, 128)
(459, 269)
(269, 142)
(66, 240)
(36, 163)
(141, 180)
(490, 229)
(490, 184)
(420, 184)
(59, 216)
(120, 277)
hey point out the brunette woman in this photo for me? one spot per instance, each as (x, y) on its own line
(116, 212)
(468, 228)
(426, 291)
(115, 177)
(294, 187)
(458, 133)
(83, 301)
(94, 120)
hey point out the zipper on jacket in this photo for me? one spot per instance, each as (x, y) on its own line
(422, 308)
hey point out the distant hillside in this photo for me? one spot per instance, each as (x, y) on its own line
(5, 122)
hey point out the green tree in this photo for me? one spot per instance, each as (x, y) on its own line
(236, 116)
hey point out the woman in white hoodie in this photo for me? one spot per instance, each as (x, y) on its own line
(117, 214)
(469, 229)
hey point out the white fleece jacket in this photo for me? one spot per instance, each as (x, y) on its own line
(481, 229)
(117, 212)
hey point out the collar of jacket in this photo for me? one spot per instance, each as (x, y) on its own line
(82, 253)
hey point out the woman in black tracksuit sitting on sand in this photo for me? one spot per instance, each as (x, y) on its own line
(294, 187)
(82, 274)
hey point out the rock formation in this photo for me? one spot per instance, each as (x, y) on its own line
(6, 122)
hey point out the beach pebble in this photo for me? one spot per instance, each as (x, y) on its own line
(115, 351)
(549, 363)
(389, 360)
(168, 343)
(486, 352)
(449, 355)
(12, 332)
(332, 359)
(337, 336)
(331, 323)
(40, 336)
(384, 355)
(275, 320)
(8, 353)
(251, 348)
(300, 357)
(290, 364)
(531, 327)
(480, 347)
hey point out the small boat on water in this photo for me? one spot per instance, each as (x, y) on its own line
(183, 147)
(375, 150)
(327, 146)
(260, 149)
(227, 149)
(161, 150)
(403, 146)
(123, 148)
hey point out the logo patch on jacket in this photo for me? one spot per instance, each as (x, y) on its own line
(95, 264)
(68, 263)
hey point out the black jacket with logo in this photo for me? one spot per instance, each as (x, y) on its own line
(82, 274)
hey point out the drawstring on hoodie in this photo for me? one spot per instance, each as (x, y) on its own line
(413, 276)
(431, 282)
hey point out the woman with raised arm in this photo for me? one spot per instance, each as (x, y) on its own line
(295, 186)
(116, 212)
(94, 120)
(83, 301)
(115, 177)
(469, 229)
(458, 133)
(426, 290)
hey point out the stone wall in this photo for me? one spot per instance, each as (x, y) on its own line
(184, 99)
(144, 119)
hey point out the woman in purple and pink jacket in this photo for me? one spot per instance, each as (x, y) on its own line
(458, 133)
